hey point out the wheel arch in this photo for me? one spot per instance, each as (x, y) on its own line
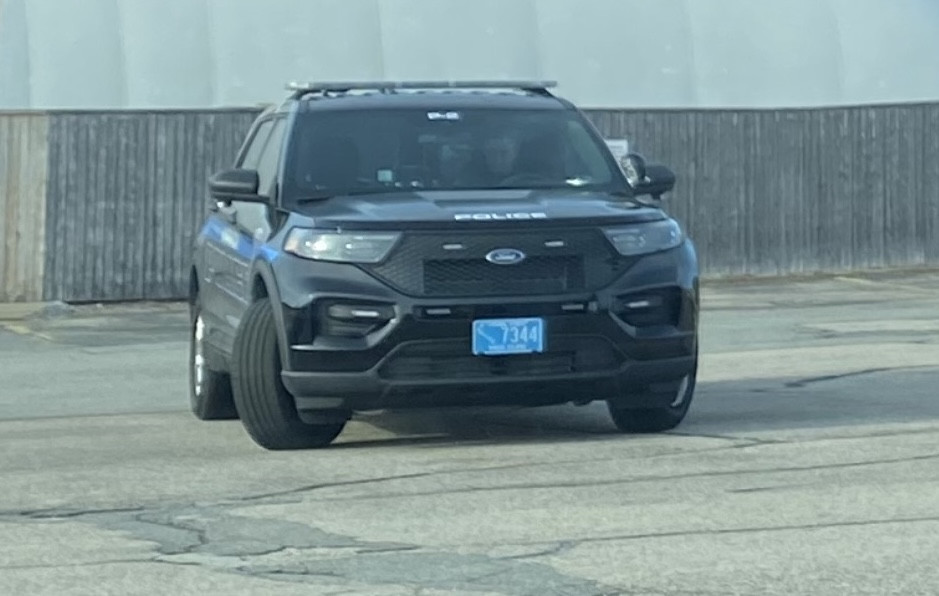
(193, 285)
(264, 285)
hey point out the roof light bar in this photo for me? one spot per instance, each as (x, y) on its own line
(299, 89)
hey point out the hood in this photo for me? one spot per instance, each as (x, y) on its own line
(475, 209)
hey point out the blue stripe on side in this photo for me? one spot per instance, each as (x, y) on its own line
(216, 229)
(269, 253)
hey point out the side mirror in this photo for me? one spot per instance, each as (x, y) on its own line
(647, 179)
(659, 180)
(634, 166)
(236, 185)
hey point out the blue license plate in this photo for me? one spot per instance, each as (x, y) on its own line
(500, 337)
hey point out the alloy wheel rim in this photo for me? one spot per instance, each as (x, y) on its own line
(682, 391)
(198, 357)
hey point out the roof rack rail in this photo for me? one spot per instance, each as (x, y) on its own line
(300, 89)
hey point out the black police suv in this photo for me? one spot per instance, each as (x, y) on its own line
(397, 245)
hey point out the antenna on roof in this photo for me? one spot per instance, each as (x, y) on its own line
(300, 89)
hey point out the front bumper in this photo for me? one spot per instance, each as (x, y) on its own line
(600, 345)
(368, 391)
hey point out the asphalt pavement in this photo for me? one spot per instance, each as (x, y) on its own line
(809, 465)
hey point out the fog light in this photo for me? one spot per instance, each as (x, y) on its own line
(354, 320)
(660, 307)
(348, 312)
(574, 307)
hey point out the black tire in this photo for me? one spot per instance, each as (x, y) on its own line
(210, 391)
(268, 411)
(655, 420)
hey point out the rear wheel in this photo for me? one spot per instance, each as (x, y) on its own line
(268, 411)
(210, 392)
(655, 420)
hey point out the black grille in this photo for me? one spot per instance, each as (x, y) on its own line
(536, 275)
(558, 261)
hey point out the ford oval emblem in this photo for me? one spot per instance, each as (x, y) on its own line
(505, 256)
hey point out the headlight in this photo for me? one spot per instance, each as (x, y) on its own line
(645, 238)
(348, 247)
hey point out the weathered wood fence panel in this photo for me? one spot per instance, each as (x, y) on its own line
(126, 194)
(104, 205)
(22, 206)
(799, 191)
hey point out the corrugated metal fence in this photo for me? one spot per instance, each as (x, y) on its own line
(104, 205)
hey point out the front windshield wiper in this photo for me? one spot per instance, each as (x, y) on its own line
(314, 198)
(326, 195)
(530, 187)
(625, 194)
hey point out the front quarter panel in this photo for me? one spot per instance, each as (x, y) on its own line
(269, 266)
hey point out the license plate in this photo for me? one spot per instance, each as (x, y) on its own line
(499, 337)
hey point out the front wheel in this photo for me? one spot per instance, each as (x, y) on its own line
(655, 420)
(268, 411)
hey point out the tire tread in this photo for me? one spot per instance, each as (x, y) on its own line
(267, 409)
(654, 420)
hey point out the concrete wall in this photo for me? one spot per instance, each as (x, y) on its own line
(104, 206)
(103, 54)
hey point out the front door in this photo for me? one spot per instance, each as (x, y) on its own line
(247, 227)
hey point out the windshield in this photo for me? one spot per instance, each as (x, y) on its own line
(342, 152)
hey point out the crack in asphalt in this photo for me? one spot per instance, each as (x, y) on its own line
(808, 440)
(741, 442)
(637, 591)
(206, 535)
(859, 437)
(338, 484)
(766, 489)
(745, 530)
(628, 480)
(442, 571)
(559, 548)
(801, 383)
(212, 538)
(744, 442)
(64, 513)
(128, 561)
(215, 535)
(191, 540)
(299, 575)
(77, 565)
(381, 550)
(212, 531)
(142, 517)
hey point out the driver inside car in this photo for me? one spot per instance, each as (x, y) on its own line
(494, 161)
(501, 152)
